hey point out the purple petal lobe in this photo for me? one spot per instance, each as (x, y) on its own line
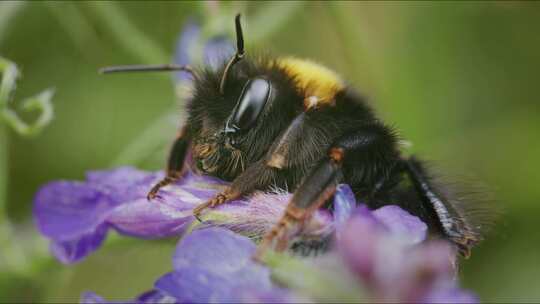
(454, 295)
(154, 297)
(65, 210)
(75, 216)
(188, 38)
(74, 250)
(217, 51)
(384, 249)
(212, 265)
(344, 203)
(212, 247)
(359, 242)
(141, 219)
(402, 223)
(122, 184)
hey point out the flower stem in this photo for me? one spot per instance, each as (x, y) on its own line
(13, 257)
(3, 170)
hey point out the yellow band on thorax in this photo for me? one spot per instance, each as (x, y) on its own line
(312, 79)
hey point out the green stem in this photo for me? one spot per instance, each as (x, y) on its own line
(3, 171)
(12, 255)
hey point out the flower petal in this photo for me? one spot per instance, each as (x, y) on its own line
(65, 210)
(214, 247)
(359, 242)
(344, 203)
(454, 295)
(76, 249)
(423, 270)
(383, 249)
(154, 297)
(144, 220)
(188, 38)
(402, 223)
(211, 265)
(217, 51)
(89, 297)
(75, 216)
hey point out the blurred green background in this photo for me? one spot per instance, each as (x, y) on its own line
(459, 79)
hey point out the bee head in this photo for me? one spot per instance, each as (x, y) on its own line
(220, 147)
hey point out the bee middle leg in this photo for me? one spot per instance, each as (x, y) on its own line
(255, 176)
(315, 190)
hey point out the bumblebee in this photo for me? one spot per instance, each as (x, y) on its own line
(290, 123)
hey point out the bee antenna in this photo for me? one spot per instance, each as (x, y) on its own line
(237, 56)
(147, 68)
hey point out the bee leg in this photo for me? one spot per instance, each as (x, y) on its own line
(227, 195)
(364, 155)
(314, 191)
(453, 225)
(256, 176)
(279, 154)
(175, 164)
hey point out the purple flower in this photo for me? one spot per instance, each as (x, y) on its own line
(215, 265)
(76, 216)
(212, 265)
(383, 249)
(215, 50)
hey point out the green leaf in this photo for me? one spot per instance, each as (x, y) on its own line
(14, 257)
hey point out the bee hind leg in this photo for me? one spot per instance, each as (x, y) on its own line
(453, 224)
(370, 151)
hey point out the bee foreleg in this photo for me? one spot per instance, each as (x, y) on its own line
(175, 163)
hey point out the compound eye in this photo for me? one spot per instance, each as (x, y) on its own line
(250, 104)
